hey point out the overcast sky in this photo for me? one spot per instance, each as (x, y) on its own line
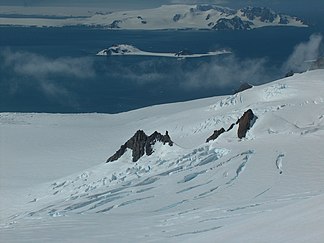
(279, 5)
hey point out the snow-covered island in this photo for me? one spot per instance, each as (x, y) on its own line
(265, 184)
(201, 16)
(129, 50)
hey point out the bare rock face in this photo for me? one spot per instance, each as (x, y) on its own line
(245, 123)
(215, 135)
(235, 23)
(243, 86)
(289, 74)
(141, 144)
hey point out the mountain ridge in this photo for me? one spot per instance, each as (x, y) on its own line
(200, 16)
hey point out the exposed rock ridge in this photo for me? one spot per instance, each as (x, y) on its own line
(216, 134)
(243, 86)
(245, 122)
(235, 23)
(141, 144)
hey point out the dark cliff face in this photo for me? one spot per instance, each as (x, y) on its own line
(265, 14)
(235, 23)
(245, 123)
(141, 144)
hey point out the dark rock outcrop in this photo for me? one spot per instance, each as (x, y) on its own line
(235, 23)
(283, 20)
(183, 53)
(244, 86)
(215, 135)
(265, 14)
(245, 123)
(115, 24)
(289, 74)
(141, 144)
(177, 17)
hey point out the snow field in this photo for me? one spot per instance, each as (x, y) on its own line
(266, 187)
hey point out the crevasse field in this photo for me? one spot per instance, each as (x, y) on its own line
(267, 187)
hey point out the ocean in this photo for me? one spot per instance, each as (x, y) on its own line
(56, 70)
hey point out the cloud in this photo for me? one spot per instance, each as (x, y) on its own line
(40, 67)
(143, 72)
(219, 73)
(223, 73)
(298, 61)
(48, 75)
(226, 72)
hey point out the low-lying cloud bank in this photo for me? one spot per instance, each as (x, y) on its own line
(221, 72)
(40, 67)
(43, 73)
(304, 53)
(217, 73)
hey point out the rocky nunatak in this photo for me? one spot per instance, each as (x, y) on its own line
(243, 87)
(141, 144)
(244, 124)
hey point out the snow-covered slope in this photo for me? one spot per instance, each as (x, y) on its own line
(267, 187)
(203, 16)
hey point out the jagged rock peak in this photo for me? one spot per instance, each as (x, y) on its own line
(141, 144)
(245, 123)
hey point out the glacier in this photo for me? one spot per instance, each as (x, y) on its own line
(266, 187)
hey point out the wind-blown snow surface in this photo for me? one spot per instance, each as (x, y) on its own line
(268, 187)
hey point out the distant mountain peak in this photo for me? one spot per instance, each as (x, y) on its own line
(200, 16)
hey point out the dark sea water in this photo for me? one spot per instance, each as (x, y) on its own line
(56, 70)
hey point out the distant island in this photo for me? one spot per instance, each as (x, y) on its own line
(129, 50)
(176, 17)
